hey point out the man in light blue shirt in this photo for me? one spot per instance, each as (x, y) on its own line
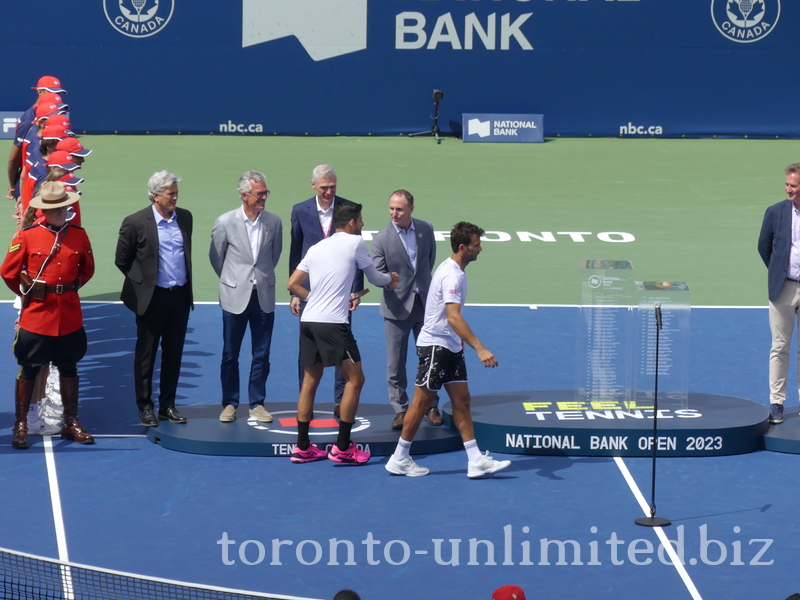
(158, 289)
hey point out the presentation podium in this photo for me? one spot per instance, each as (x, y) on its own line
(609, 413)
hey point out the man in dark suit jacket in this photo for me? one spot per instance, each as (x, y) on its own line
(312, 221)
(154, 252)
(779, 247)
(407, 247)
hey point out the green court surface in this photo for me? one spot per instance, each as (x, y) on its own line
(694, 207)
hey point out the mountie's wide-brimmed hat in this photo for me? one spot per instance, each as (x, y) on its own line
(53, 195)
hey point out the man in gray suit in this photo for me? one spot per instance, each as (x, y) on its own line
(246, 245)
(407, 247)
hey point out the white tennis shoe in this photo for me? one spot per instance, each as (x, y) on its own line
(406, 467)
(486, 466)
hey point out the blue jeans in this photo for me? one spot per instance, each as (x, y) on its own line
(233, 327)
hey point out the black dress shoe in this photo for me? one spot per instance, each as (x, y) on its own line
(337, 412)
(172, 415)
(148, 418)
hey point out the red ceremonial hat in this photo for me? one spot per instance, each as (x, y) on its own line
(61, 159)
(60, 120)
(45, 110)
(508, 592)
(73, 146)
(55, 132)
(51, 84)
(53, 98)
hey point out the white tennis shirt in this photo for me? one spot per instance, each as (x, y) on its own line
(448, 285)
(331, 266)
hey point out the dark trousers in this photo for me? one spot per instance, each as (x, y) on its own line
(233, 328)
(164, 322)
(338, 386)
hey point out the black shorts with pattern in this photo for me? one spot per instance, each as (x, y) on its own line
(439, 366)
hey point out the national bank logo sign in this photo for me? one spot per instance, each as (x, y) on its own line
(138, 18)
(745, 21)
(502, 128)
(325, 28)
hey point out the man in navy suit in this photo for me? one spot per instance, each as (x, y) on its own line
(154, 252)
(312, 221)
(779, 247)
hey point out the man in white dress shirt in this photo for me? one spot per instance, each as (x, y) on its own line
(246, 244)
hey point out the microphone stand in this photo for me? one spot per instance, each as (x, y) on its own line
(653, 520)
(434, 130)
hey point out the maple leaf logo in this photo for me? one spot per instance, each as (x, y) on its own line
(745, 12)
(138, 10)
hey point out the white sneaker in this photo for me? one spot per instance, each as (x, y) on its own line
(406, 467)
(228, 414)
(486, 466)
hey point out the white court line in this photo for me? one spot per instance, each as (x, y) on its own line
(58, 518)
(63, 553)
(670, 549)
(531, 305)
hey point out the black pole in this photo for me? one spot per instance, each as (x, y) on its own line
(653, 520)
(434, 130)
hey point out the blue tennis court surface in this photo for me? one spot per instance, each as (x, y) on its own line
(560, 527)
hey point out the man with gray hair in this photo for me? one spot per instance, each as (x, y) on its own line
(312, 221)
(246, 244)
(154, 252)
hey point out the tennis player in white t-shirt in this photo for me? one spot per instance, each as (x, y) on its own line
(325, 335)
(440, 347)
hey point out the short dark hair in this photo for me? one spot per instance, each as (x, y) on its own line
(462, 234)
(405, 194)
(47, 145)
(346, 595)
(345, 211)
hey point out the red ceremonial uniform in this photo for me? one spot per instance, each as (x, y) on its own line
(57, 314)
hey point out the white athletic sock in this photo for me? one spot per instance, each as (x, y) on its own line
(403, 450)
(473, 452)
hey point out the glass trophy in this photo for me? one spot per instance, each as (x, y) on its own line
(674, 299)
(605, 332)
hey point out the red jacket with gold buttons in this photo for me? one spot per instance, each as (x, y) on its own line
(57, 314)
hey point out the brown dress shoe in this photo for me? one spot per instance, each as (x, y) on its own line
(434, 416)
(73, 430)
(397, 422)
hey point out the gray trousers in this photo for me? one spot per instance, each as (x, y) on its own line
(397, 334)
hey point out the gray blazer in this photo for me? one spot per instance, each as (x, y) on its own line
(232, 260)
(389, 255)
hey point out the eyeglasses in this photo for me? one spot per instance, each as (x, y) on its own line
(264, 195)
